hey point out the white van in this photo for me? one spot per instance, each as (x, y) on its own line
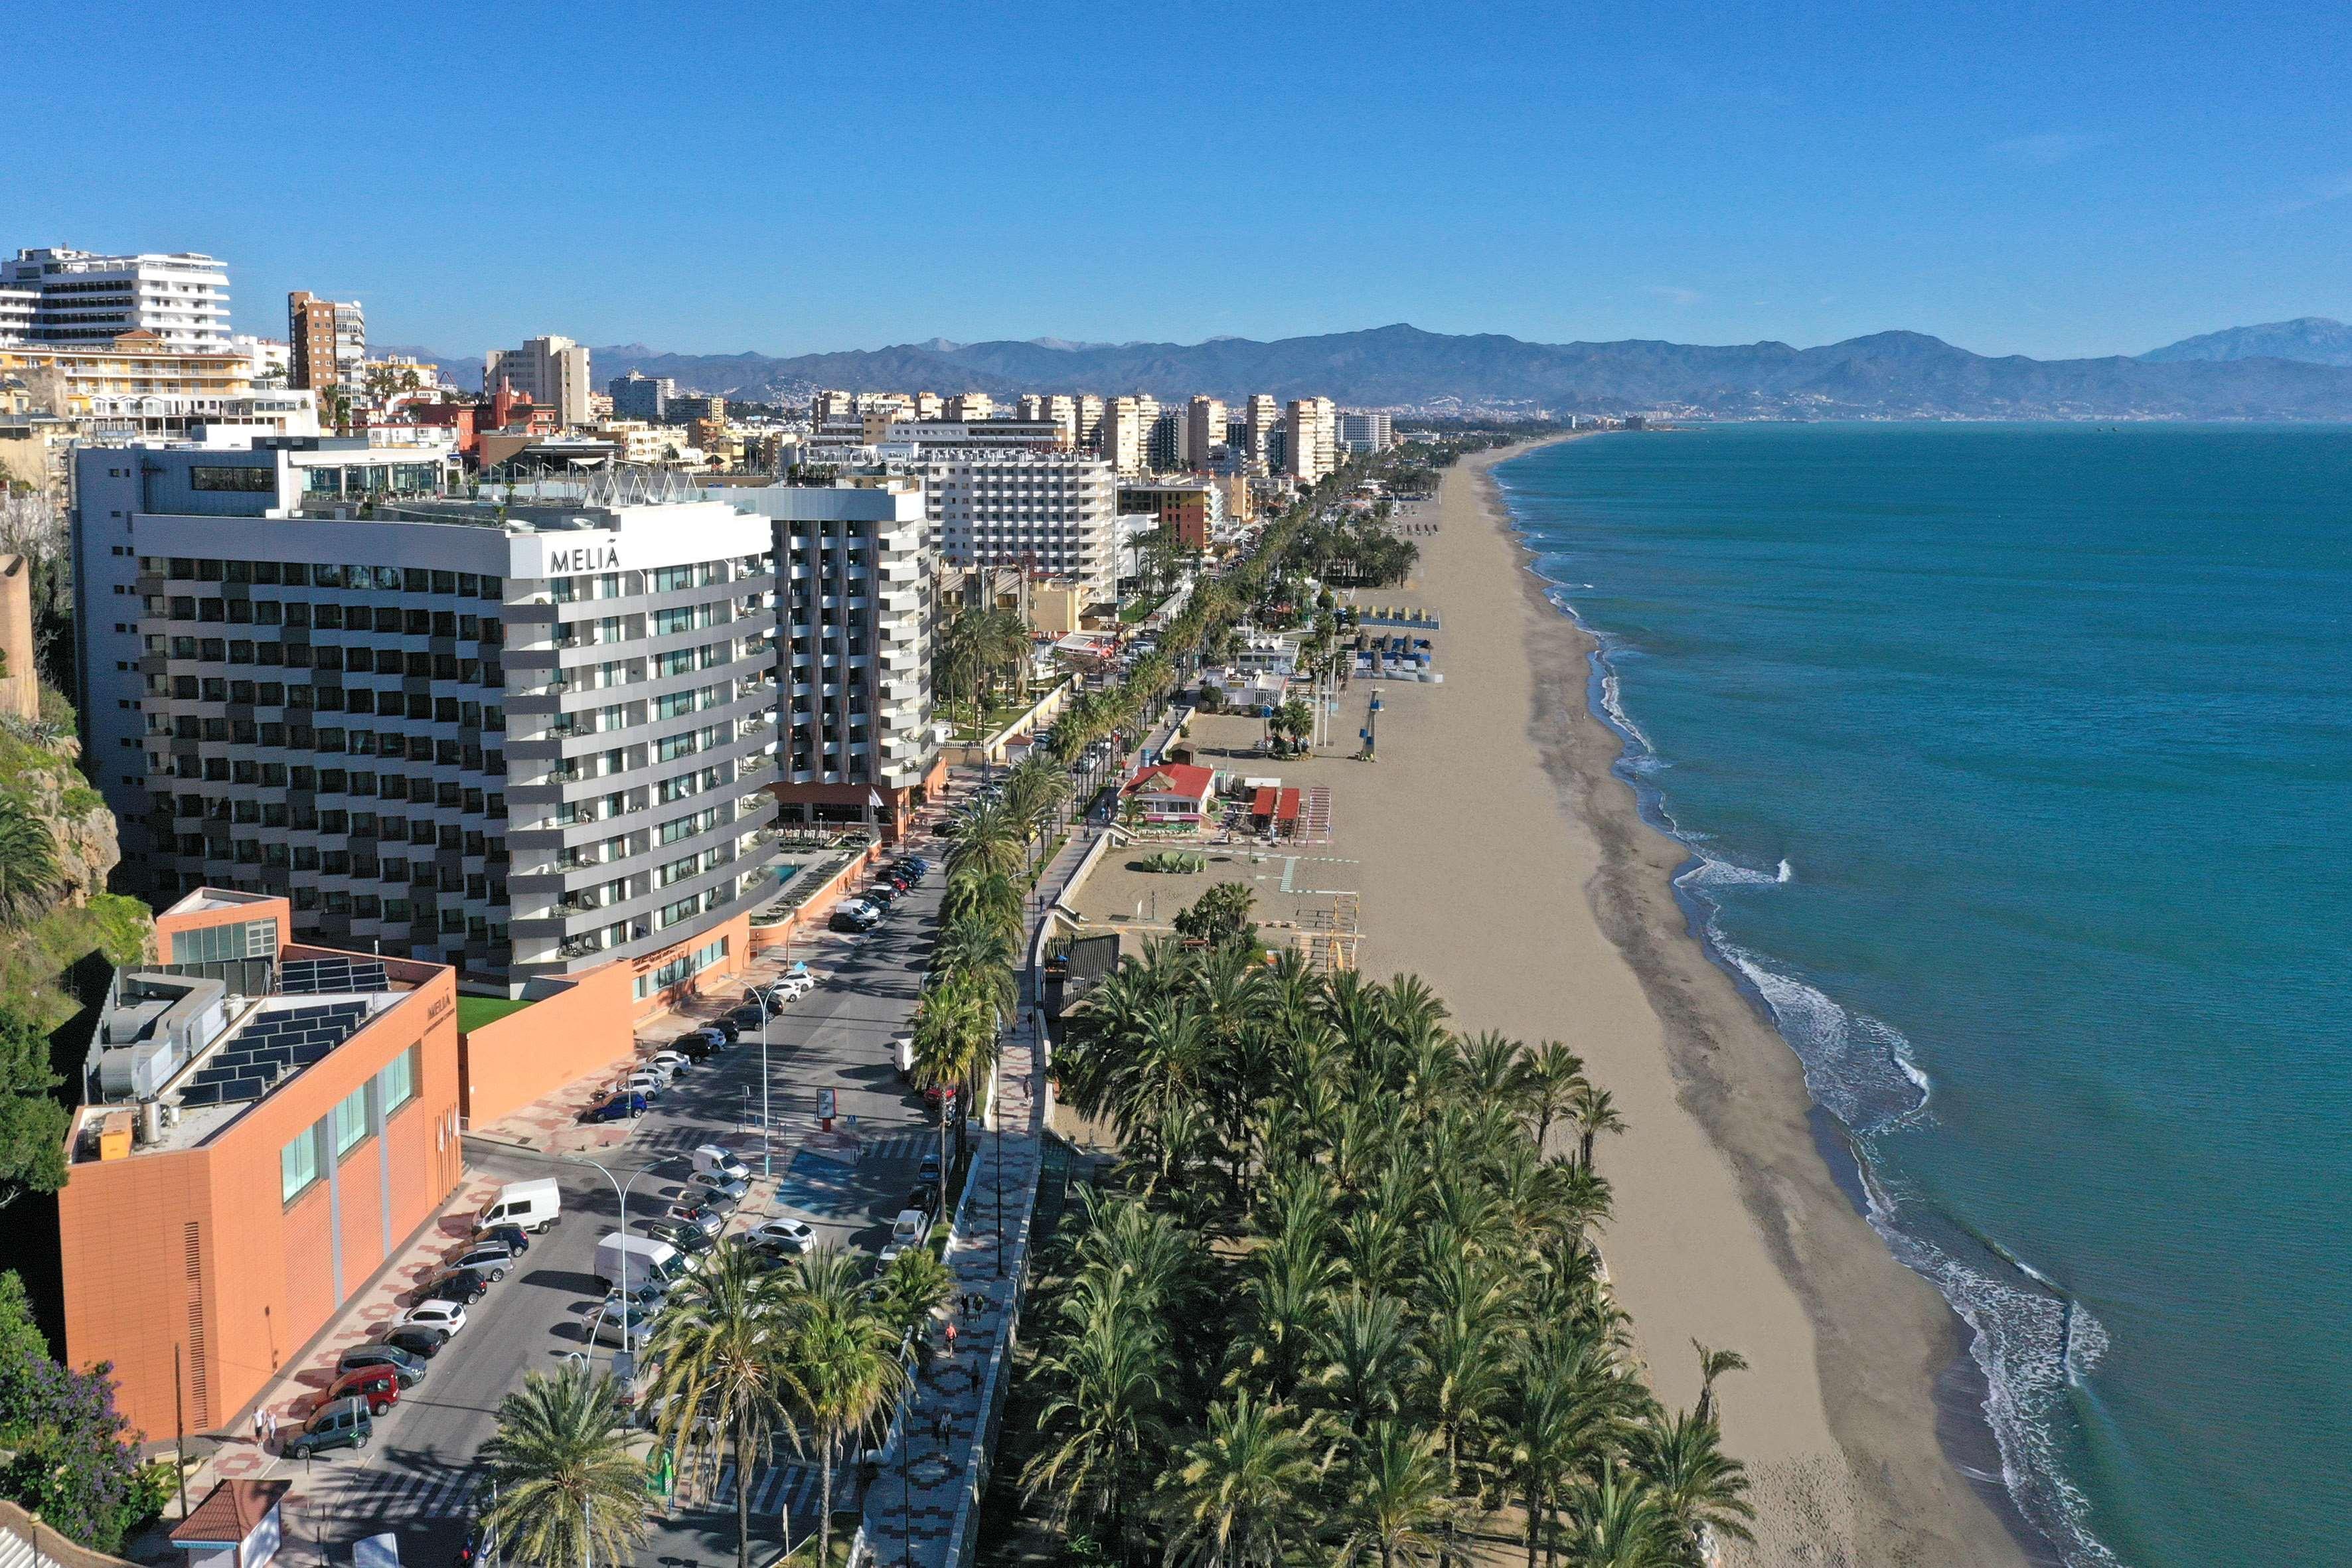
(718, 1161)
(648, 1259)
(534, 1206)
(903, 1048)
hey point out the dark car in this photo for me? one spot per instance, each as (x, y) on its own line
(409, 1370)
(752, 1015)
(690, 1239)
(463, 1286)
(513, 1237)
(379, 1385)
(854, 922)
(881, 895)
(925, 1197)
(345, 1423)
(419, 1340)
(696, 1047)
(732, 1032)
(619, 1107)
(928, 1171)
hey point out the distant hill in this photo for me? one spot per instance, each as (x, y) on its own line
(2312, 340)
(1894, 375)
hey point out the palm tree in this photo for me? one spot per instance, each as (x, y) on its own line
(913, 1287)
(1615, 1523)
(844, 1369)
(565, 1480)
(990, 898)
(1554, 1075)
(1034, 792)
(1366, 1352)
(1104, 1426)
(1699, 1488)
(30, 878)
(1594, 1112)
(976, 955)
(1239, 1498)
(990, 841)
(952, 1021)
(722, 1356)
(1712, 1365)
(1398, 1500)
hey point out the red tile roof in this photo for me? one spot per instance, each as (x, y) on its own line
(229, 1514)
(1184, 779)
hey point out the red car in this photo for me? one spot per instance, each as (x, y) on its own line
(376, 1385)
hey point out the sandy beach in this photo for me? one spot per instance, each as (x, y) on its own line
(1491, 850)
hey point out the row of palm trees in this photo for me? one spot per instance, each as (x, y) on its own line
(1339, 1302)
(981, 649)
(746, 1352)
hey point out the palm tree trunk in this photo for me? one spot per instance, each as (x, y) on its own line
(1532, 1522)
(825, 1500)
(743, 1499)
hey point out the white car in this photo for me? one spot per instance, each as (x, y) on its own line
(447, 1316)
(782, 1235)
(644, 1081)
(793, 988)
(669, 1064)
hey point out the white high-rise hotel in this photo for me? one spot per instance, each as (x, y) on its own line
(76, 298)
(1051, 512)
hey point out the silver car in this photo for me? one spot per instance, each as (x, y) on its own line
(711, 1188)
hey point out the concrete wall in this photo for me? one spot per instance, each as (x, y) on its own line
(20, 686)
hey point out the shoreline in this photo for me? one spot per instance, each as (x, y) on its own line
(1735, 1224)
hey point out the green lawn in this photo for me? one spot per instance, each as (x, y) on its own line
(472, 1012)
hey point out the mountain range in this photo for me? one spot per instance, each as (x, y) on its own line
(2316, 340)
(1895, 374)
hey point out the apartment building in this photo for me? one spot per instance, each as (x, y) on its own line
(1089, 410)
(267, 1123)
(1120, 437)
(1365, 430)
(1051, 513)
(1165, 451)
(989, 435)
(521, 736)
(1204, 431)
(1260, 421)
(80, 298)
(1310, 438)
(137, 385)
(551, 371)
(969, 407)
(854, 626)
(1192, 511)
(1052, 408)
(639, 397)
(326, 339)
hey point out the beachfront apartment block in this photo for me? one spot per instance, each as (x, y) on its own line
(855, 618)
(77, 298)
(1310, 429)
(1204, 431)
(1053, 514)
(1363, 430)
(522, 735)
(551, 371)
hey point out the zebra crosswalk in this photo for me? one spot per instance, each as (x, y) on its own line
(405, 1494)
(776, 1488)
(902, 1145)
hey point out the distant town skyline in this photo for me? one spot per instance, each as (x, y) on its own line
(2011, 182)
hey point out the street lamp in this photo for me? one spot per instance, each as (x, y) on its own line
(622, 1190)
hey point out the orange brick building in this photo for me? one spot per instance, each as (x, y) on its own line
(270, 1124)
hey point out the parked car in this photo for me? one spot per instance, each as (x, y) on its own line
(444, 1315)
(377, 1385)
(513, 1237)
(671, 1062)
(703, 1218)
(410, 1370)
(414, 1340)
(855, 921)
(881, 895)
(609, 1323)
(487, 1258)
(722, 1026)
(750, 1016)
(909, 1229)
(463, 1286)
(619, 1106)
(716, 1038)
(928, 1170)
(642, 1082)
(690, 1239)
(714, 1157)
(711, 1188)
(345, 1423)
(926, 1198)
(782, 1235)
(696, 1047)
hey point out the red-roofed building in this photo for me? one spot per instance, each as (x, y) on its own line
(1275, 809)
(236, 1526)
(1172, 792)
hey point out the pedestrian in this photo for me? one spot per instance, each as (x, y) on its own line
(270, 1420)
(950, 1336)
(940, 1428)
(261, 1425)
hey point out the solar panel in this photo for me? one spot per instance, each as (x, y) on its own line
(312, 976)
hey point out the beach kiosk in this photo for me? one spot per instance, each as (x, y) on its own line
(236, 1526)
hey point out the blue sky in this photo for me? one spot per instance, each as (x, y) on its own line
(2050, 180)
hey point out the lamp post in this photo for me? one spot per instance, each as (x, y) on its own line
(621, 1191)
(767, 1120)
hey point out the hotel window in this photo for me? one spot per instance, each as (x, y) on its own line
(298, 1165)
(348, 1122)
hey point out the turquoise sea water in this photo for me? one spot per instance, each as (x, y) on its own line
(2017, 766)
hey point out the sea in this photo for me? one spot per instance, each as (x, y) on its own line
(2015, 764)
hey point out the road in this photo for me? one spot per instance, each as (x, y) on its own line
(414, 1478)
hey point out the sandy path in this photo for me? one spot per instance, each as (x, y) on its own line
(1501, 862)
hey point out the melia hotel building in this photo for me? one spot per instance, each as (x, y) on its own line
(524, 734)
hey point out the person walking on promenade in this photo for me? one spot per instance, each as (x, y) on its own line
(951, 1333)
(261, 1425)
(269, 1429)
